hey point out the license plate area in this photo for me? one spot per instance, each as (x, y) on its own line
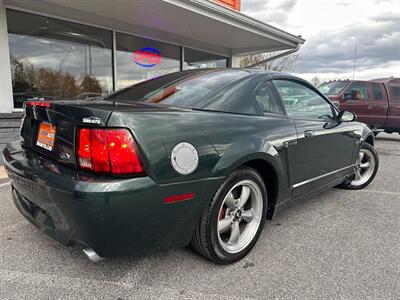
(46, 136)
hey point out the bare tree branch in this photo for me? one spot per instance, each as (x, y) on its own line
(286, 63)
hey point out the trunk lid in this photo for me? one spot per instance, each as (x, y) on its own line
(65, 117)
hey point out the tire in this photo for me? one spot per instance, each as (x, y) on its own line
(218, 228)
(357, 182)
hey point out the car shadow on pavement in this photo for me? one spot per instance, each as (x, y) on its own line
(389, 138)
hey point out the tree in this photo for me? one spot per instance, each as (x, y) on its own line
(49, 82)
(285, 63)
(69, 87)
(31, 76)
(19, 82)
(316, 81)
(90, 84)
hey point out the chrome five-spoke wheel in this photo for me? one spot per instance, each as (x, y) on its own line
(240, 216)
(365, 167)
(234, 218)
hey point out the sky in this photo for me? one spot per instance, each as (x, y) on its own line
(332, 30)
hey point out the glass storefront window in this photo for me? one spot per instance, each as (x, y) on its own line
(139, 59)
(195, 59)
(52, 59)
(55, 59)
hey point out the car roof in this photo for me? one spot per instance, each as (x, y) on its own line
(268, 74)
(251, 71)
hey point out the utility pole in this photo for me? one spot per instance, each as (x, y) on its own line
(355, 59)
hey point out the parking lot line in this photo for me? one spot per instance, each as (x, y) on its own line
(3, 173)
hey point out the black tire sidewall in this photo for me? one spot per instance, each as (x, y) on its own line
(223, 256)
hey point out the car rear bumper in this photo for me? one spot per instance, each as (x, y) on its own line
(112, 216)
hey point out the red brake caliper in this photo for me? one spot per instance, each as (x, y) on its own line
(222, 213)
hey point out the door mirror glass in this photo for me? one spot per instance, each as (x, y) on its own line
(346, 116)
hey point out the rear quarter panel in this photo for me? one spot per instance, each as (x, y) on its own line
(224, 141)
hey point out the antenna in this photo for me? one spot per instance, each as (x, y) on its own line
(355, 58)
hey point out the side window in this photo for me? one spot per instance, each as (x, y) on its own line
(302, 102)
(395, 92)
(358, 91)
(377, 91)
(237, 97)
(264, 95)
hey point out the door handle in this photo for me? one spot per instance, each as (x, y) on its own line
(370, 106)
(309, 133)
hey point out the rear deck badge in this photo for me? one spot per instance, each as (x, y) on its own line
(91, 120)
(184, 158)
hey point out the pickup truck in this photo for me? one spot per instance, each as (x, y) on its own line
(375, 102)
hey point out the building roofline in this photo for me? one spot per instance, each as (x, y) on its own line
(238, 19)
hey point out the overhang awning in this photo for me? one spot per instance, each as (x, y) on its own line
(200, 24)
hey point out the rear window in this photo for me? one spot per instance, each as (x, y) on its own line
(332, 88)
(182, 89)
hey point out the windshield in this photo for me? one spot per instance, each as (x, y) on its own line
(332, 88)
(182, 89)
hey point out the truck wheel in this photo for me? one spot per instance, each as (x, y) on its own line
(234, 218)
(367, 167)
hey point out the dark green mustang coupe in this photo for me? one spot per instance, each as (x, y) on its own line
(199, 157)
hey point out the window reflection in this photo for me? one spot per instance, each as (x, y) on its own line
(54, 59)
(139, 59)
(195, 59)
(302, 102)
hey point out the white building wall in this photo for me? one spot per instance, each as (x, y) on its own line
(235, 61)
(6, 94)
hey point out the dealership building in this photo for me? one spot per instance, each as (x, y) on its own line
(74, 49)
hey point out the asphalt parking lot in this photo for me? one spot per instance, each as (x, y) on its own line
(340, 244)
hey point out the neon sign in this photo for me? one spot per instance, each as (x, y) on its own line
(147, 57)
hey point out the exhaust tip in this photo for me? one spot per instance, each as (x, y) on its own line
(92, 255)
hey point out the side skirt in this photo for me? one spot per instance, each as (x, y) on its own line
(281, 206)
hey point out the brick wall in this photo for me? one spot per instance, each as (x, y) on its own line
(9, 129)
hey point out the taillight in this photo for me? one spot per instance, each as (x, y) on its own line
(110, 151)
(38, 103)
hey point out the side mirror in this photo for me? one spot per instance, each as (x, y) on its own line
(346, 116)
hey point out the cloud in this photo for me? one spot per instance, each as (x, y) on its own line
(388, 17)
(275, 11)
(287, 5)
(334, 51)
(343, 3)
(331, 30)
